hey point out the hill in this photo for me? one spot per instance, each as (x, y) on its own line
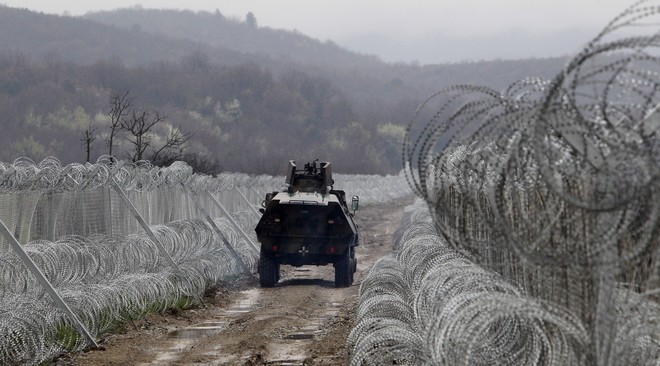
(252, 96)
(363, 77)
(84, 41)
(216, 30)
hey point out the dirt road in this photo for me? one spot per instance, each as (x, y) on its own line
(304, 320)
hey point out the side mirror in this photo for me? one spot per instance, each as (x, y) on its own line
(355, 203)
(265, 202)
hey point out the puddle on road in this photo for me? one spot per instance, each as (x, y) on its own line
(171, 353)
(181, 340)
(299, 336)
(247, 298)
(299, 273)
(294, 352)
(239, 310)
(285, 354)
(291, 349)
(245, 303)
(314, 327)
(198, 331)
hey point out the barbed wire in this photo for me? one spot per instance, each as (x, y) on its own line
(81, 235)
(49, 175)
(107, 280)
(428, 304)
(553, 184)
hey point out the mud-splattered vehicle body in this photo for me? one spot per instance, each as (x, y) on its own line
(308, 224)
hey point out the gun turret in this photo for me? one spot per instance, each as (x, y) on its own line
(314, 177)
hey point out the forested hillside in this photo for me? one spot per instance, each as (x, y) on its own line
(246, 36)
(361, 76)
(250, 97)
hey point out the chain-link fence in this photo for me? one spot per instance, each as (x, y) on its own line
(543, 245)
(88, 247)
(427, 303)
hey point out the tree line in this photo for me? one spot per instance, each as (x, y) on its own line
(249, 96)
(237, 118)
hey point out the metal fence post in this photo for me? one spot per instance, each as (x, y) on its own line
(258, 192)
(36, 272)
(248, 201)
(143, 223)
(215, 228)
(234, 223)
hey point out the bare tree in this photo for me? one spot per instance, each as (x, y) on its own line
(88, 138)
(140, 130)
(173, 145)
(119, 109)
(138, 127)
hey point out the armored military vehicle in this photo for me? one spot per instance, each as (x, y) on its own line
(308, 224)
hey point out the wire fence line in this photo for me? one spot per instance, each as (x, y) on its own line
(114, 241)
(427, 303)
(545, 201)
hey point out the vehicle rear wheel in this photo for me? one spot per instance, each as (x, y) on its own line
(269, 271)
(343, 272)
(353, 264)
(351, 271)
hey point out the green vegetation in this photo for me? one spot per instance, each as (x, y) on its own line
(67, 337)
(250, 96)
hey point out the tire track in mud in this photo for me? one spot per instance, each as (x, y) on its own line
(303, 320)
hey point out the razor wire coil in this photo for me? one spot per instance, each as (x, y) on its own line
(551, 188)
(81, 235)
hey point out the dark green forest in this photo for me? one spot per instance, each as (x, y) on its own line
(248, 98)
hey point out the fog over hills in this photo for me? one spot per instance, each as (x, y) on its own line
(512, 45)
(337, 63)
(250, 95)
(428, 31)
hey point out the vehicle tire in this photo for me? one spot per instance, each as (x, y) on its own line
(343, 272)
(269, 271)
(351, 272)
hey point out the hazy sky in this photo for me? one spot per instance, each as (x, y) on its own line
(429, 31)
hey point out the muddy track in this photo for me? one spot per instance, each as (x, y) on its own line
(304, 320)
